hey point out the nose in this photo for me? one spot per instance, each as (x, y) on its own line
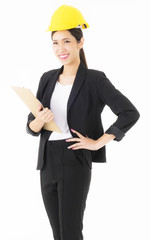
(61, 47)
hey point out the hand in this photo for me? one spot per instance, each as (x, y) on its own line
(83, 142)
(45, 115)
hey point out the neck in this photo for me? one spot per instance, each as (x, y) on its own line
(71, 69)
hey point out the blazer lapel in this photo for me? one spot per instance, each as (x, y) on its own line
(50, 87)
(79, 78)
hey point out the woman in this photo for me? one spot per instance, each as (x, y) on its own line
(74, 96)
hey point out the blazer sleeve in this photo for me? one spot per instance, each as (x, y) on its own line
(31, 117)
(121, 106)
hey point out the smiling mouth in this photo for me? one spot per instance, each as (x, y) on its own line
(63, 56)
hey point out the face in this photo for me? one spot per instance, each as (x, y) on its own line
(65, 47)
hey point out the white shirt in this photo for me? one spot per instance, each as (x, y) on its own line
(58, 105)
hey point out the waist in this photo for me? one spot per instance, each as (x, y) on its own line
(60, 142)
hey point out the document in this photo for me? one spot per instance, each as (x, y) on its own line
(32, 103)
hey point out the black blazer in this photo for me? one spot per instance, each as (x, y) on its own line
(91, 91)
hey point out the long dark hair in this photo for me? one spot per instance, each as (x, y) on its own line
(78, 34)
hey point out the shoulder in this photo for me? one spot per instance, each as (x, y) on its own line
(46, 76)
(96, 75)
(99, 79)
(49, 73)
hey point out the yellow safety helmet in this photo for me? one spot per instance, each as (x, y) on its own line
(67, 17)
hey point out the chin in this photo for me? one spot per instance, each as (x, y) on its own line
(66, 62)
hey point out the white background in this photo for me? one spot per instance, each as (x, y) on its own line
(118, 43)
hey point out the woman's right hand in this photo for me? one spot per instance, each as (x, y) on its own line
(45, 115)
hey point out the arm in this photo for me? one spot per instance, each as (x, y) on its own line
(31, 117)
(126, 112)
(34, 125)
(43, 116)
(103, 140)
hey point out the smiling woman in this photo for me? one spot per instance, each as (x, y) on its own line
(65, 159)
(68, 44)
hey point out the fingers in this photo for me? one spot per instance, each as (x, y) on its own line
(48, 116)
(73, 139)
(75, 146)
(45, 115)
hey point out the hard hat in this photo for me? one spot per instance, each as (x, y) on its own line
(67, 17)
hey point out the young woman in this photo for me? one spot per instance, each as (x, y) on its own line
(74, 96)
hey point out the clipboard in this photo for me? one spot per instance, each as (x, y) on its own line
(32, 103)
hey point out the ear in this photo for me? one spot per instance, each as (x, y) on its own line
(81, 43)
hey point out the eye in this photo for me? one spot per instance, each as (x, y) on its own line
(65, 42)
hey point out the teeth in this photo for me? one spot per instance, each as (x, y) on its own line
(63, 55)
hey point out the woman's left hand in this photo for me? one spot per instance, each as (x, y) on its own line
(82, 142)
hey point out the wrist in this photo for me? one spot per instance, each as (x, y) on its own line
(104, 139)
(38, 122)
(99, 143)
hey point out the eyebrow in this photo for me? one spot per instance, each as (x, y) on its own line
(62, 39)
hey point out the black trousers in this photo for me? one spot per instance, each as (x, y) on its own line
(65, 180)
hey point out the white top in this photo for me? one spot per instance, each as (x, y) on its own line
(58, 105)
